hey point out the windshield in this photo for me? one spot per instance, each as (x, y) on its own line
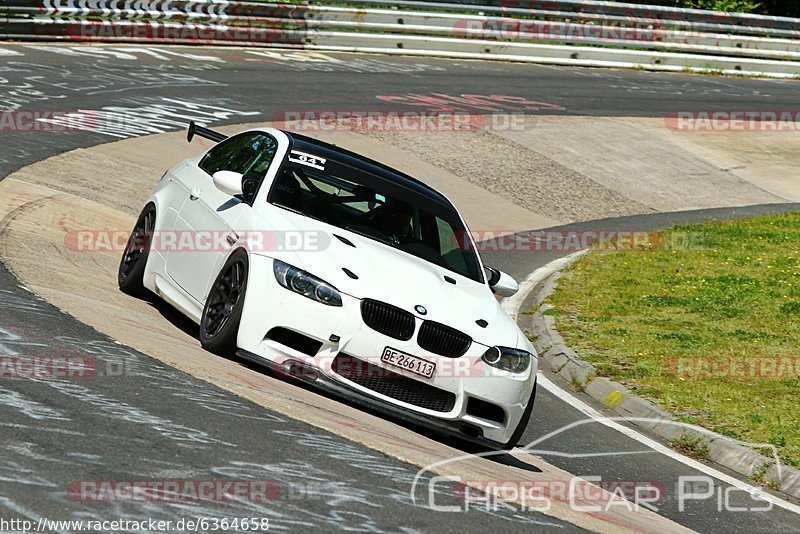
(372, 211)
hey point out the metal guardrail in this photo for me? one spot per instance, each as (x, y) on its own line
(618, 14)
(574, 32)
(630, 11)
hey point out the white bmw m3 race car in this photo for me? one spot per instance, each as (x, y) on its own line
(336, 270)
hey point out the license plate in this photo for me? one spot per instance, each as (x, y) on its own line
(410, 363)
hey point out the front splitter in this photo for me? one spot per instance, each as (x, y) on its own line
(318, 381)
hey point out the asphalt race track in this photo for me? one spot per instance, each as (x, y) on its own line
(154, 422)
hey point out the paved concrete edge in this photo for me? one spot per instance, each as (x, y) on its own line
(560, 359)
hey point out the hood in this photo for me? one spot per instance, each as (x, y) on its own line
(398, 278)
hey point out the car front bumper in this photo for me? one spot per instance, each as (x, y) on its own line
(322, 383)
(342, 331)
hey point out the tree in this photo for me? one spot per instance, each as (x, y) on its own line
(781, 8)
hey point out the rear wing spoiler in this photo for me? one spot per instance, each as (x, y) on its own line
(194, 129)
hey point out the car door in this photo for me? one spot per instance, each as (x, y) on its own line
(204, 235)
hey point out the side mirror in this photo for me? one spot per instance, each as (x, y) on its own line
(228, 182)
(501, 283)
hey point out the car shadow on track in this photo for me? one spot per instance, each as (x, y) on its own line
(176, 318)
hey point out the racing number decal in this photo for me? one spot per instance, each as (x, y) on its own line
(307, 159)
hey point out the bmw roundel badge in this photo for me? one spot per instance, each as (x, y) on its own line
(420, 309)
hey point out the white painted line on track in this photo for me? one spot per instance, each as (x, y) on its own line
(40, 429)
(662, 449)
(512, 305)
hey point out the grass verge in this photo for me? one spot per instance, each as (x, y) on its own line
(707, 325)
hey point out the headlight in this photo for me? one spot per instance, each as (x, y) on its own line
(507, 359)
(306, 284)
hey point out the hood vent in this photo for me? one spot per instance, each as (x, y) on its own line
(344, 240)
(350, 273)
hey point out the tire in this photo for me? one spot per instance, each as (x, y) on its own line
(219, 325)
(523, 423)
(130, 275)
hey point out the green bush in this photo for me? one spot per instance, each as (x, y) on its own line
(741, 6)
(781, 8)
